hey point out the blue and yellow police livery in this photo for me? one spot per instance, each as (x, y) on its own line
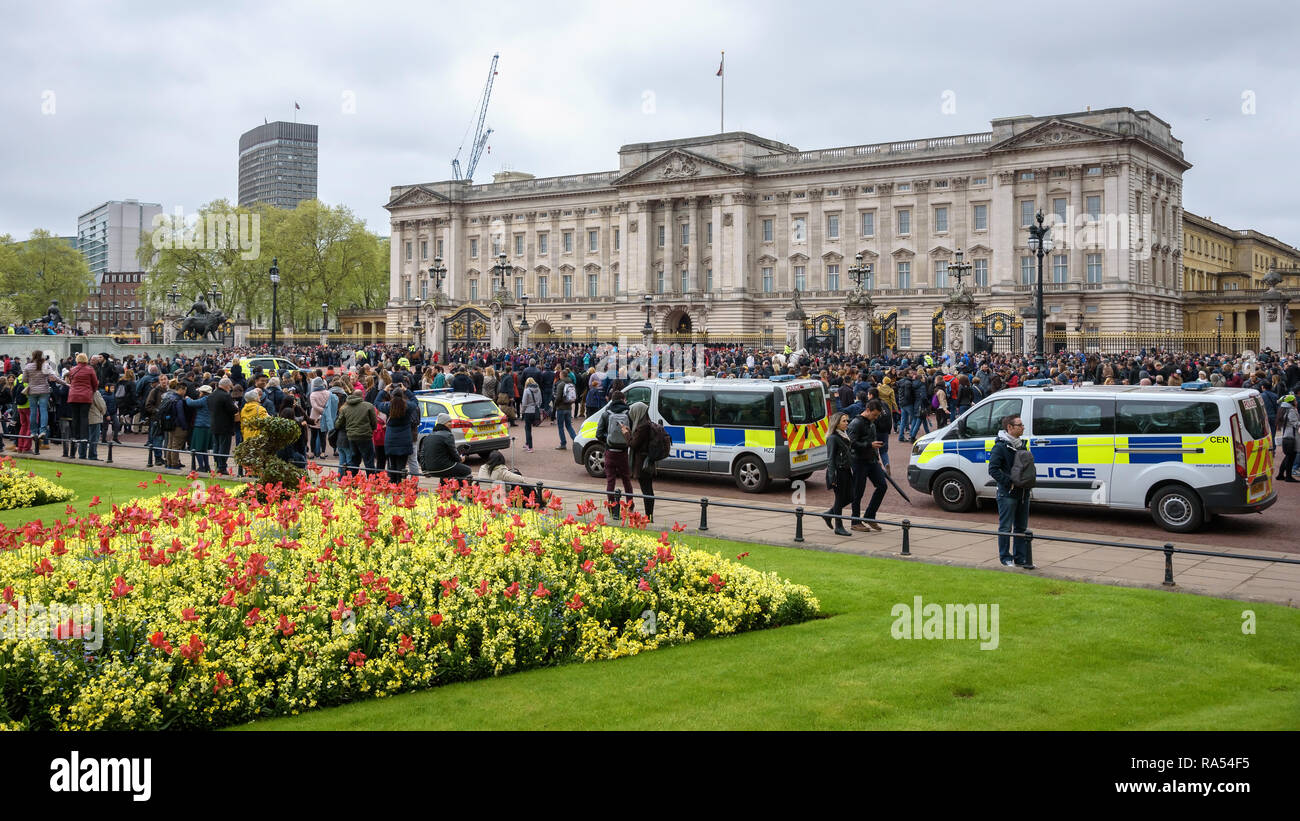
(1183, 452)
(755, 430)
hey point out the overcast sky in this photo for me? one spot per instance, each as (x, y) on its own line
(116, 100)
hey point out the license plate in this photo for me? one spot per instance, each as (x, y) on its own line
(802, 457)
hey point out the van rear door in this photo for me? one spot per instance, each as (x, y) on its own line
(1252, 448)
(804, 426)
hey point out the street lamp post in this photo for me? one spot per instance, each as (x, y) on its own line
(416, 328)
(648, 329)
(959, 268)
(436, 273)
(860, 273)
(1219, 321)
(324, 323)
(501, 271)
(1040, 244)
(275, 299)
(523, 326)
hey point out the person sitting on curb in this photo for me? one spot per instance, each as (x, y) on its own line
(439, 456)
(495, 470)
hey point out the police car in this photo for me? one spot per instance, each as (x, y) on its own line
(755, 430)
(1186, 452)
(476, 422)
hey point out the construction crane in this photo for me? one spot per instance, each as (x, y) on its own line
(480, 136)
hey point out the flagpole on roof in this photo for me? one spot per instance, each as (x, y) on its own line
(722, 100)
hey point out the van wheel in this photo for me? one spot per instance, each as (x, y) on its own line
(953, 492)
(750, 474)
(1177, 509)
(593, 458)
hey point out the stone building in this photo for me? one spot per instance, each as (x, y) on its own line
(1224, 272)
(723, 231)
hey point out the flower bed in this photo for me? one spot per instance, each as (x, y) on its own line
(22, 488)
(219, 609)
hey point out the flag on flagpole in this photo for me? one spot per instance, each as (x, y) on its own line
(724, 58)
(297, 107)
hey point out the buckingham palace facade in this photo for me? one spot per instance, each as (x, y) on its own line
(728, 232)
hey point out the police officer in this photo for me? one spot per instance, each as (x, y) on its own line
(866, 444)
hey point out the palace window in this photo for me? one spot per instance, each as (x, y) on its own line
(1027, 271)
(543, 244)
(800, 278)
(1060, 268)
(904, 221)
(1094, 267)
(981, 218)
(904, 275)
(832, 277)
(981, 273)
(869, 224)
(833, 226)
(593, 240)
(941, 219)
(767, 231)
(568, 242)
(593, 285)
(767, 280)
(568, 286)
(541, 288)
(473, 247)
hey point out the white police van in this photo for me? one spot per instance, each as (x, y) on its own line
(1186, 453)
(755, 430)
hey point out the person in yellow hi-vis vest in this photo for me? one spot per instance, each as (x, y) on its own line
(24, 415)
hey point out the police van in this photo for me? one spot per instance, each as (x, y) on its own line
(1186, 452)
(755, 430)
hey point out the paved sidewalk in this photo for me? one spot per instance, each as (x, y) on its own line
(1208, 575)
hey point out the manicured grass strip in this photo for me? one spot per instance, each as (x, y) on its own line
(1070, 656)
(111, 485)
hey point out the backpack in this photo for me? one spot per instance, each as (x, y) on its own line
(167, 412)
(120, 392)
(934, 401)
(660, 443)
(1023, 473)
(614, 428)
(380, 427)
(570, 392)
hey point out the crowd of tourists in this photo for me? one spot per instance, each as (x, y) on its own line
(347, 401)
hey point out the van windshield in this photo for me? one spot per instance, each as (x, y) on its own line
(805, 405)
(1252, 417)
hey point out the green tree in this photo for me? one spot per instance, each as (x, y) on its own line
(44, 267)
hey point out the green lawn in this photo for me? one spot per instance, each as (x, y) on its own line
(1071, 656)
(111, 485)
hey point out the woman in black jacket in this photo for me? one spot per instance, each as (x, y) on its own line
(840, 468)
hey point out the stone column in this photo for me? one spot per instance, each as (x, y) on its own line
(242, 330)
(958, 320)
(1030, 317)
(1272, 316)
(858, 310)
(169, 326)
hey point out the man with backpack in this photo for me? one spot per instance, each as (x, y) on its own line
(565, 395)
(173, 423)
(1011, 465)
(613, 432)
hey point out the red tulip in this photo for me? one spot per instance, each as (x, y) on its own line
(361, 599)
(436, 620)
(356, 658)
(70, 509)
(286, 543)
(541, 592)
(742, 555)
(589, 566)
(678, 527)
(717, 583)
(44, 568)
(143, 485)
(159, 641)
(394, 598)
(188, 614)
(94, 502)
(451, 585)
(482, 588)
(222, 681)
(58, 549)
(339, 612)
(253, 617)
(643, 585)
(511, 591)
(285, 626)
(609, 546)
(405, 645)
(228, 599)
(575, 603)
(72, 584)
(193, 650)
(121, 588)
